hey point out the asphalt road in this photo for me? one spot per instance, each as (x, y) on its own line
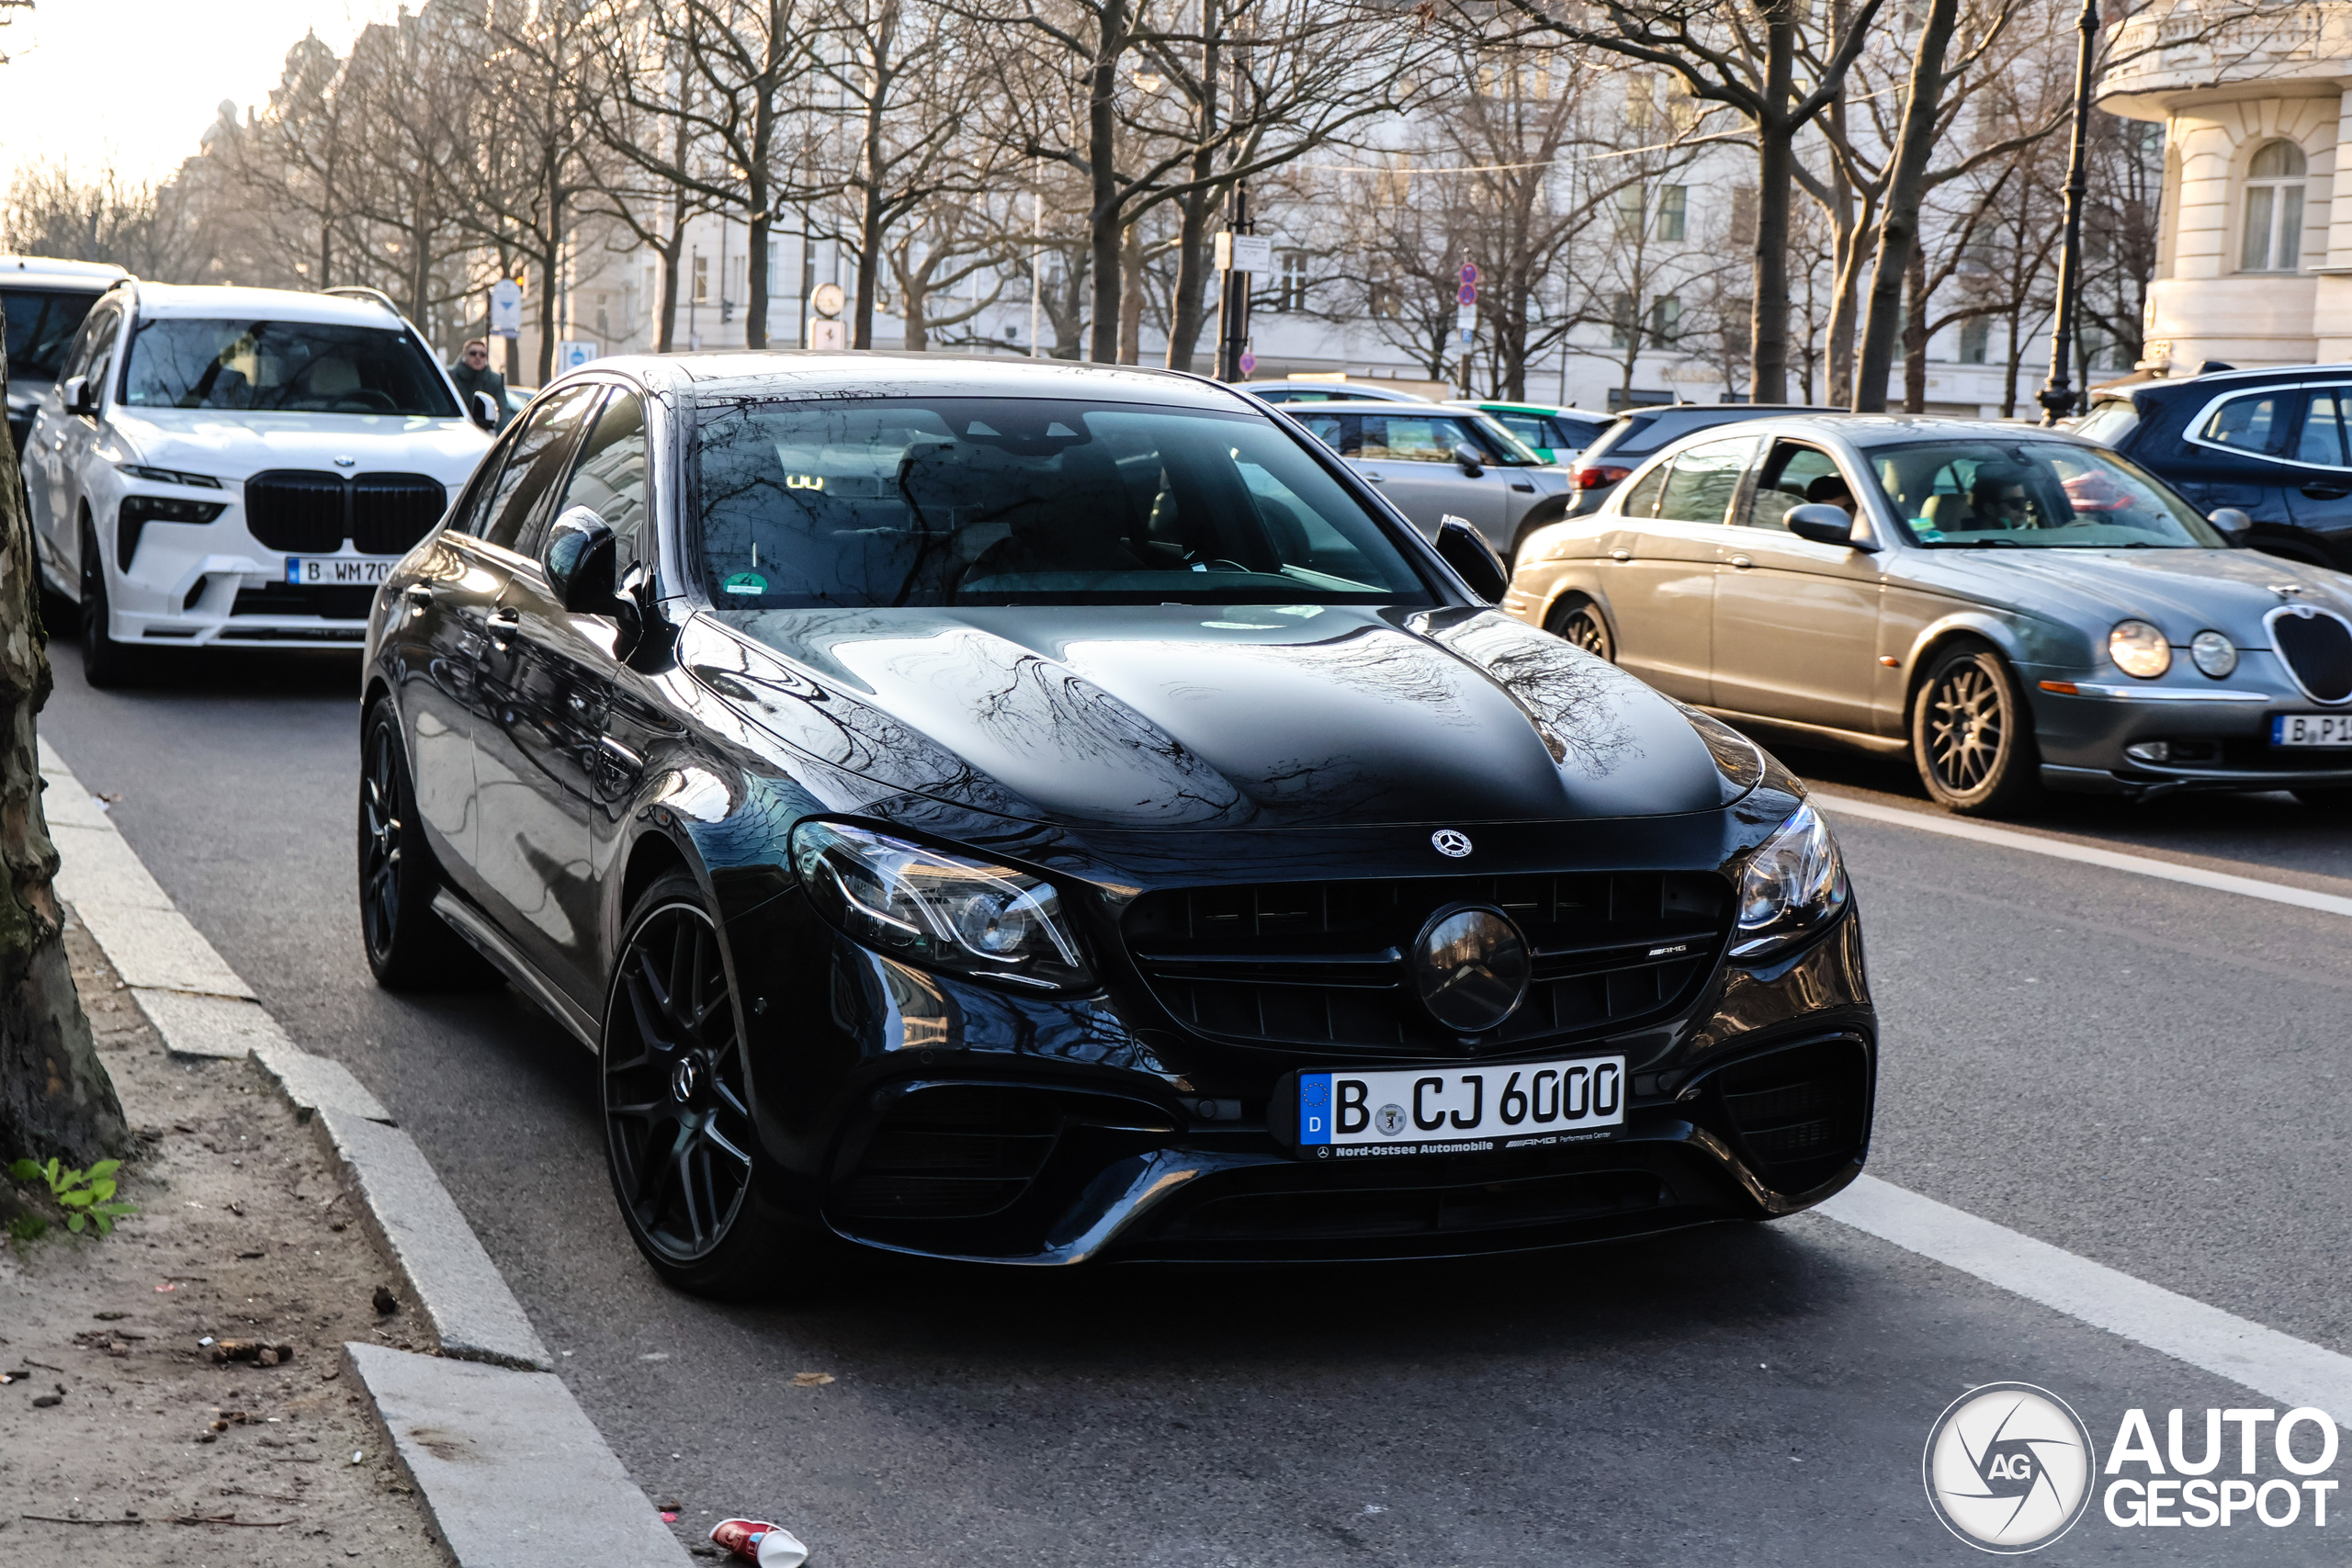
(2138, 1071)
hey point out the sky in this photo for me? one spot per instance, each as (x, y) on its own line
(139, 80)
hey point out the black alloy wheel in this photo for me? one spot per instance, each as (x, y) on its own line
(105, 662)
(410, 948)
(683, 1155)
(1580, 622)
(1971, 735)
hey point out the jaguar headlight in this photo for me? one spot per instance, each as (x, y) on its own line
(2214, 653)
(2138, 648)
(1794, 885)
(939, 910)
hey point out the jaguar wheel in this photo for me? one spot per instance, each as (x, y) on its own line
(409, 947)
(1580, 622)
(1971, 735)
(684, 1158)
(105, 662)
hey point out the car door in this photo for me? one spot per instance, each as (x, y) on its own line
(533, 726)
(1662, 585)
(2318, 495)
(1410, 456)
(73, 437)
(2231, 451)
(1796, 622)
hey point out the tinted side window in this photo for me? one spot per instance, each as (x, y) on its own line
(611, 477)
(1793, 476)
(2256, 423)
(1700, 488)
(98, 328)
(2322, 440)
(1395, 438)
(1641, 500)
(534, 463)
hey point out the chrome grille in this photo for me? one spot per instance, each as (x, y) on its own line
(2316, 646)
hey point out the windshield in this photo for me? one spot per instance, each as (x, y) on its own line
(42, 324)
(999, 500)
(282, 367)
(2032, 494)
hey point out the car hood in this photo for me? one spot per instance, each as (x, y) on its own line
(234, 444)
(2183, 592)
(1189, 716)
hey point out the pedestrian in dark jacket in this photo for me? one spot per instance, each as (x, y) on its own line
(472, 373)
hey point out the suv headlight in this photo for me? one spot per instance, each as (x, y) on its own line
(2138, 648)
(1794, 885)
(939, 910)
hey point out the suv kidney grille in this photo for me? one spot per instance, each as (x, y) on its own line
(1323, 964)
(312, 513)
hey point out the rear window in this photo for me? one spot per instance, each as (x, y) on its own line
(2110, 422)
(891, 501)
(42, 324)
(178, 362)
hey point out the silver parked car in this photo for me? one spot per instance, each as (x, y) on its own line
(1434, 462)
(2020, 609)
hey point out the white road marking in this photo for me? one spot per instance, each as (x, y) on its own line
(2274, 1365)
(2058, 848)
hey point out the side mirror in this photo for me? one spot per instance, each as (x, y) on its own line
(2234, 524)
(578, 558)
(1473, 461)
(78, 395)
(483, 409)
(1472, 558)
(1826, 525)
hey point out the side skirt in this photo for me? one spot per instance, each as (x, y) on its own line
(485, 939)
(1817, 734)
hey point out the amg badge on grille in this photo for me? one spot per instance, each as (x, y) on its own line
(1449, 841)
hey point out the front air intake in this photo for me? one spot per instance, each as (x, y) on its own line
(1796, 1115)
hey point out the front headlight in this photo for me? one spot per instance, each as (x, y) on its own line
(2138, 648)
(2214, 653)
(939, 910)
(1794, 885)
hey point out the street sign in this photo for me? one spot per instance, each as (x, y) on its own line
(507, 309)
(828, 298)
(1468, 294)
(1248, 363)
(1244, 252)
(1469, 272)
(571, 354)
(832, 336)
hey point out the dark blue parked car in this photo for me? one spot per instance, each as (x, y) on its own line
(2272, 444)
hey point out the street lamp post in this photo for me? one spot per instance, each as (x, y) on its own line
(1233, 301)
(2057, 395)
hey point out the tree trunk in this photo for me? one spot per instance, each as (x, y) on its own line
(1898, 231)
(1767, 360)
(55, 1097)
(1131, 297)
(1185, 312)
(1915, 335)
(1105, 232)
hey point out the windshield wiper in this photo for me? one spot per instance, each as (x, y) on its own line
(1973, 544)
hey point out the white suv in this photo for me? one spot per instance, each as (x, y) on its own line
(238, 466)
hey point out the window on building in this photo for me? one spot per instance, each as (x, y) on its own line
(2271, 239)
(735, 279)
(1641, 100)
(1742, 215)
(1387, 302)
(1976, 340)
(1673, 210)
(1290, 293)
(1622, 320)
(1631, 205)
(702, 280)
(1666, 319)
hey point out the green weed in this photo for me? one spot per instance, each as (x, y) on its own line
(87, 1196)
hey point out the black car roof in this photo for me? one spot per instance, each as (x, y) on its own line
(2158, 388)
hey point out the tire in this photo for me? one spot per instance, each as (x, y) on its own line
(1579, 620)
(105, 662)
(1971, 734)
(410, 948)
(696, 1187)
(2330, 800)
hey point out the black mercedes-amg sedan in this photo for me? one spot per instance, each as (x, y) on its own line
(1031, 814)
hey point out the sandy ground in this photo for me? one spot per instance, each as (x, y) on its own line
(241, 1233)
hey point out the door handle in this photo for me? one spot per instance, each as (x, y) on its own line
(1621, 554)
(1742, 562)
(2326, 492)
(1377, 479)
(419, 596)
(503, 623)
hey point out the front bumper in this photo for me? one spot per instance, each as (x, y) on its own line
(2218, 732)
(1009, 1130)
(179, 592)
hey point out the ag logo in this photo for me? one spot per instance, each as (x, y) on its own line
(1451, 841)
(2008, 1468)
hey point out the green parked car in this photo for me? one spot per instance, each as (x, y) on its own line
(1556, 434)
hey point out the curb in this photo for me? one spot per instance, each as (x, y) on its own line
(510, 1466)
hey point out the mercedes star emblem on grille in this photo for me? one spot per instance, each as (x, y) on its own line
(1450, 841)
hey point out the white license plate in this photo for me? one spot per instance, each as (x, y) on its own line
(2311, 729)
(339, 571)
(1433, 1111)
